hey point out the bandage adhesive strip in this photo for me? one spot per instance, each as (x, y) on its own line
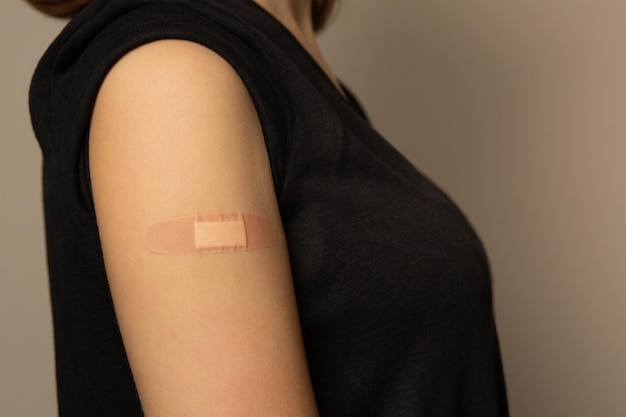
(211, 233)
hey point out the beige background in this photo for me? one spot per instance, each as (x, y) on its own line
(518, 109)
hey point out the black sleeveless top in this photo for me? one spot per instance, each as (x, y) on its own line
(392, 284)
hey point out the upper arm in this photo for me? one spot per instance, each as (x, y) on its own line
(174, 133)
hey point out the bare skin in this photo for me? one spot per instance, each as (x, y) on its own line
(174, 133)
(295, 15)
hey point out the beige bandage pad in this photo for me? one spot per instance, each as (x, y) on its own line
(211, 233)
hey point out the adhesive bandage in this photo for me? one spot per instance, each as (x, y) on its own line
(211, 233)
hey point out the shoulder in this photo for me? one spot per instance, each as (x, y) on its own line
(69, 74)
(134, 44)
(177, 106)
(177, 75)
(174, 102)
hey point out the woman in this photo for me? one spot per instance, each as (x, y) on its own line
(177, 132)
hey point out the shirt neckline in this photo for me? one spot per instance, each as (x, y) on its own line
(280, 33)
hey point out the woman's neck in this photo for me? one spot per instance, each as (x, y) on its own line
(296, 16)
(293, 14)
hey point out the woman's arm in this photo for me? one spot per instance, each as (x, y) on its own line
(174, 134)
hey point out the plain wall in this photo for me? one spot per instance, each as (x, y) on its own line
(517, 109)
